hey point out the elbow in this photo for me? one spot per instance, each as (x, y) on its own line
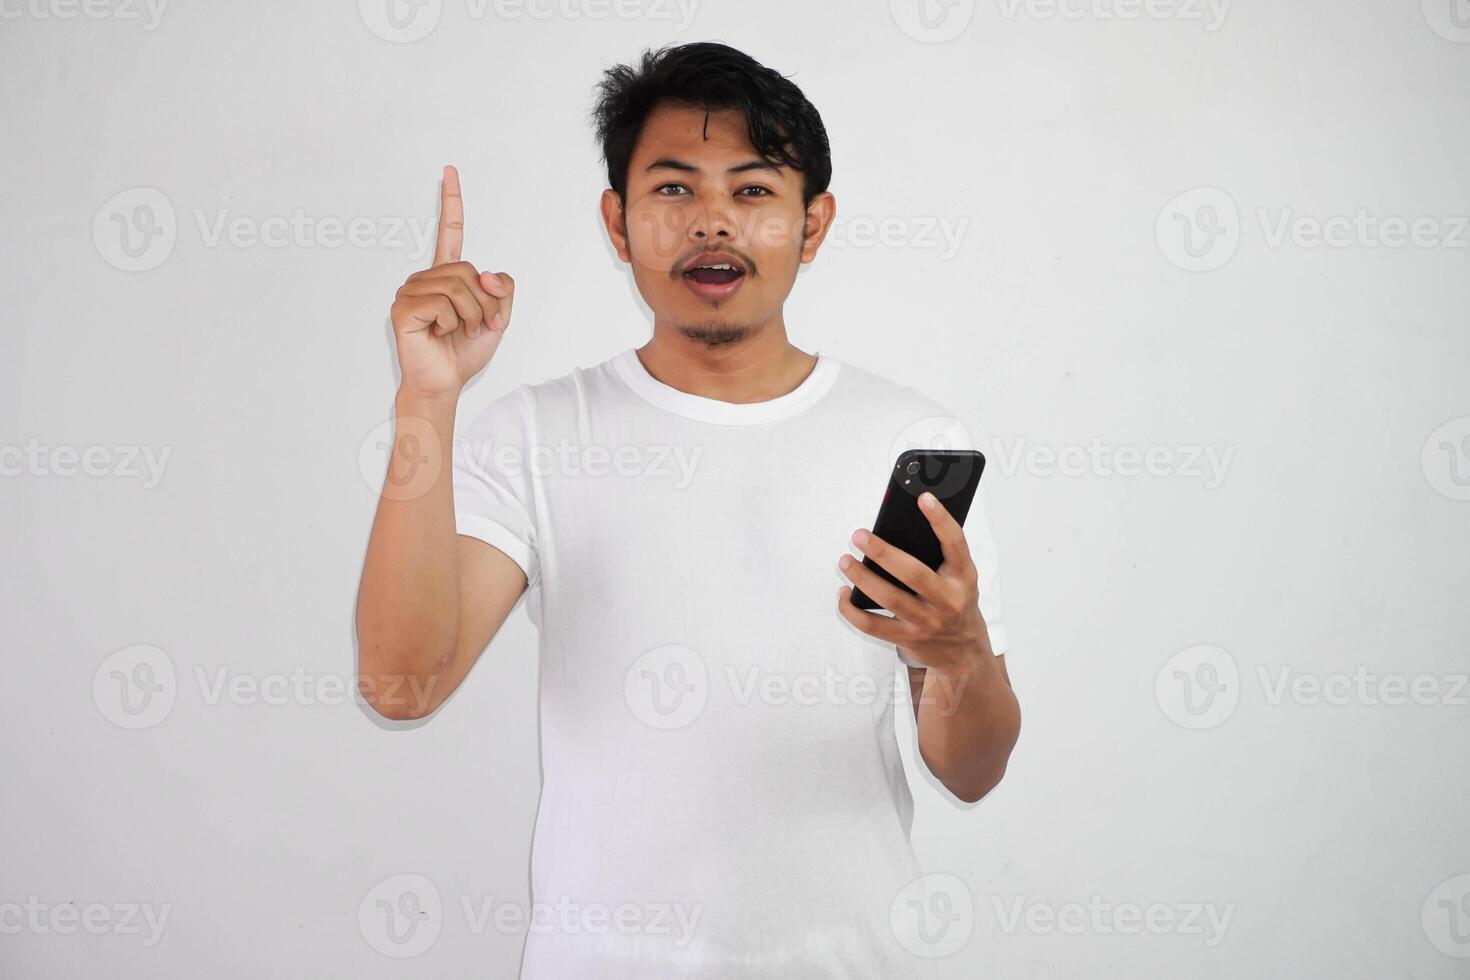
(976, 792)
(396, 694)
(394, 710)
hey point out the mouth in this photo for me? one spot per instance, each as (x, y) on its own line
(714, 276)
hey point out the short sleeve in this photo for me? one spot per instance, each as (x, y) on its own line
(493, 492)
(945, 431)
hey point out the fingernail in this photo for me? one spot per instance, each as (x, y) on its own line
(860, 536)
(844, 561)
(926, 499)
(499, 320)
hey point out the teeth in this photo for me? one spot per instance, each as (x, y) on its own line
(723, 265)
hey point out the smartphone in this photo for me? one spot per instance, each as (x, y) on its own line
(952, 475)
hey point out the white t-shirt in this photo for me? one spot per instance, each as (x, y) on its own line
(723, 795)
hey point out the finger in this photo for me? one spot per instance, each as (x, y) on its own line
(466, 304)
(883, 628)
(949, 532)
(467, 274)
(434, 313)
(899, 563)
(451, 219)
(503, 288)
(903, 605)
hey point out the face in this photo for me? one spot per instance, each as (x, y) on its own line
(700, 198)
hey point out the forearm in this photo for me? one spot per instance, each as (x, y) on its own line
(408, 600)
(968, 722)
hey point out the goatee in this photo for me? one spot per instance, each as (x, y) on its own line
(715, 335)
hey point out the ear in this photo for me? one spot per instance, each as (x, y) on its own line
(613, 219)
(819, 216)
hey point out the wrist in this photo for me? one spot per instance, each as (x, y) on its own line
(978, 662)
(425, 405)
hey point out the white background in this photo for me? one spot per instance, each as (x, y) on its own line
(1070, 309)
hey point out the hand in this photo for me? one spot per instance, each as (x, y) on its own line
(941, 627)
(449, 318)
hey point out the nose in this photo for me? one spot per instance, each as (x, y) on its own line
(713, 219)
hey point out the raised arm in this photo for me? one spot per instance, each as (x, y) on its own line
(430, 600)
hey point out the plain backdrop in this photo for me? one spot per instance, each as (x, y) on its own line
(1102, 231)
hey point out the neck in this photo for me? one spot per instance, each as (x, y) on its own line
(759, 366)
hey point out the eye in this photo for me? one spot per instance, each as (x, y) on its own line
(663, 187)
(764, 192)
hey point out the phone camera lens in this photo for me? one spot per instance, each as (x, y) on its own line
(912, 468)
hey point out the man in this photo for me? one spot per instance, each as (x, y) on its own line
(720, 783)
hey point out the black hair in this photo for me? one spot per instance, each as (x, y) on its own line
(783, 126)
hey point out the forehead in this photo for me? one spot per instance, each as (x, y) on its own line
(691, 134)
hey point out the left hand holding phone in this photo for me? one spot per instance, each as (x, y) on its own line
(940, 626)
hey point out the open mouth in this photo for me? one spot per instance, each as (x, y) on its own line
(719, 274)
(715, 278)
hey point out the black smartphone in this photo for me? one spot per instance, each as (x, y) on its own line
(952, 475)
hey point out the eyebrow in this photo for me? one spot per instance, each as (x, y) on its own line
(669, 163)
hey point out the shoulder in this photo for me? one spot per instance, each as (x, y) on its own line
(915, 417)
(563, 397)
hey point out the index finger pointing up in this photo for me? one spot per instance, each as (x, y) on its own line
(451, 219)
